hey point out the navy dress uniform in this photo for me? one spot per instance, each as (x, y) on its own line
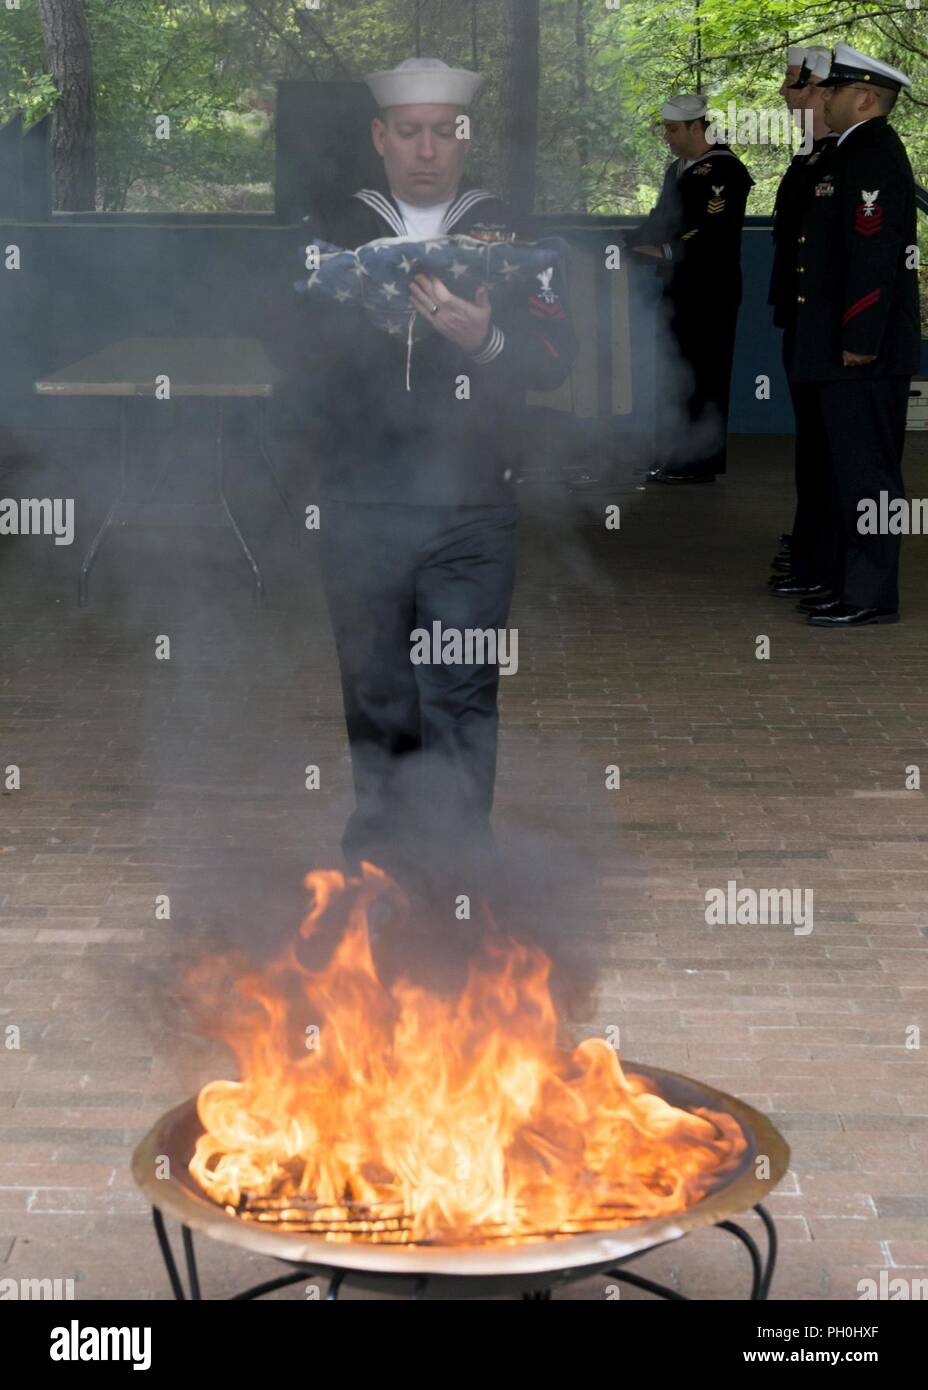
(811, 547)
(789, 204)
(696, 222)
(857, 293)
(418, 527)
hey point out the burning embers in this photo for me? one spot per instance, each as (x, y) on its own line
(396, 1115)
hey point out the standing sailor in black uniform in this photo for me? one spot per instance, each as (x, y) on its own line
(694, 234)
(418, 517)
(802, 574)
(857, 338)
(805, 100)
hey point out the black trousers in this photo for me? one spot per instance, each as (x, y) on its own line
(695, 359)
(853, 439)
(815, 548)
(423, 737)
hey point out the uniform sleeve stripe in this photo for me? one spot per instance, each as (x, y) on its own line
(861, 304)
(493, 348)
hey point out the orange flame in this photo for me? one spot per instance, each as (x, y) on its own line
(397, 1114)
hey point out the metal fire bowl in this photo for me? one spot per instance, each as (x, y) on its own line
(565, 1257)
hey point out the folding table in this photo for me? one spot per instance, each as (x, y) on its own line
(214, 369)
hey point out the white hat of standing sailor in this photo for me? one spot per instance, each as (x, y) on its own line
(794, 55)
(850, 66)
(816, 63)
(688, 107)
(424, 81)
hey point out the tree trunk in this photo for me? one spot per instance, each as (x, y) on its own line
(520, 104)
(581, 91)
(74, 134)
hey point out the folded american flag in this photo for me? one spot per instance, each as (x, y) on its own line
(376, 276)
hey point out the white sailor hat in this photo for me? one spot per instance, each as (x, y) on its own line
(794, 55)
(818, 61)
(850, 66)
(815, 63)
(423, 81)
(687, 107)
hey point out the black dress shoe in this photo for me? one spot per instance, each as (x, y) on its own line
(782, 563)
(670, 475)
(849, 615)
(788, 586)
(822, 604)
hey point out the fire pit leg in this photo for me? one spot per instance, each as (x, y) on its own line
(762, 1270)
(771, 1230)
(167, 1255)
(192, 1275)
(751, 1247)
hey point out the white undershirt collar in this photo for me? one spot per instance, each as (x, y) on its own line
(423, 223)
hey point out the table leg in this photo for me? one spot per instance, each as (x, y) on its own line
(83, 583)
(220, 459)
(261, 410)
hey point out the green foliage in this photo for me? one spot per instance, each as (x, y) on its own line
(211, 66)
(25, 84)
(647, 49)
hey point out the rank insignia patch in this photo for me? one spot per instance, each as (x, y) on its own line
(717, 204)
(868, 215)
(546, 294)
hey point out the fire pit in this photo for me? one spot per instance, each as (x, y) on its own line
(530, 1269)
(439, 1144)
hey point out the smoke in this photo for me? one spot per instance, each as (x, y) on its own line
(212, 744)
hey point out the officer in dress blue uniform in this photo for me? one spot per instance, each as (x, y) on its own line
(856, 338)
(694, 234)
(418, 517)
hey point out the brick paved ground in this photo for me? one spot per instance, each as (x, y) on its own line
(637, 648)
